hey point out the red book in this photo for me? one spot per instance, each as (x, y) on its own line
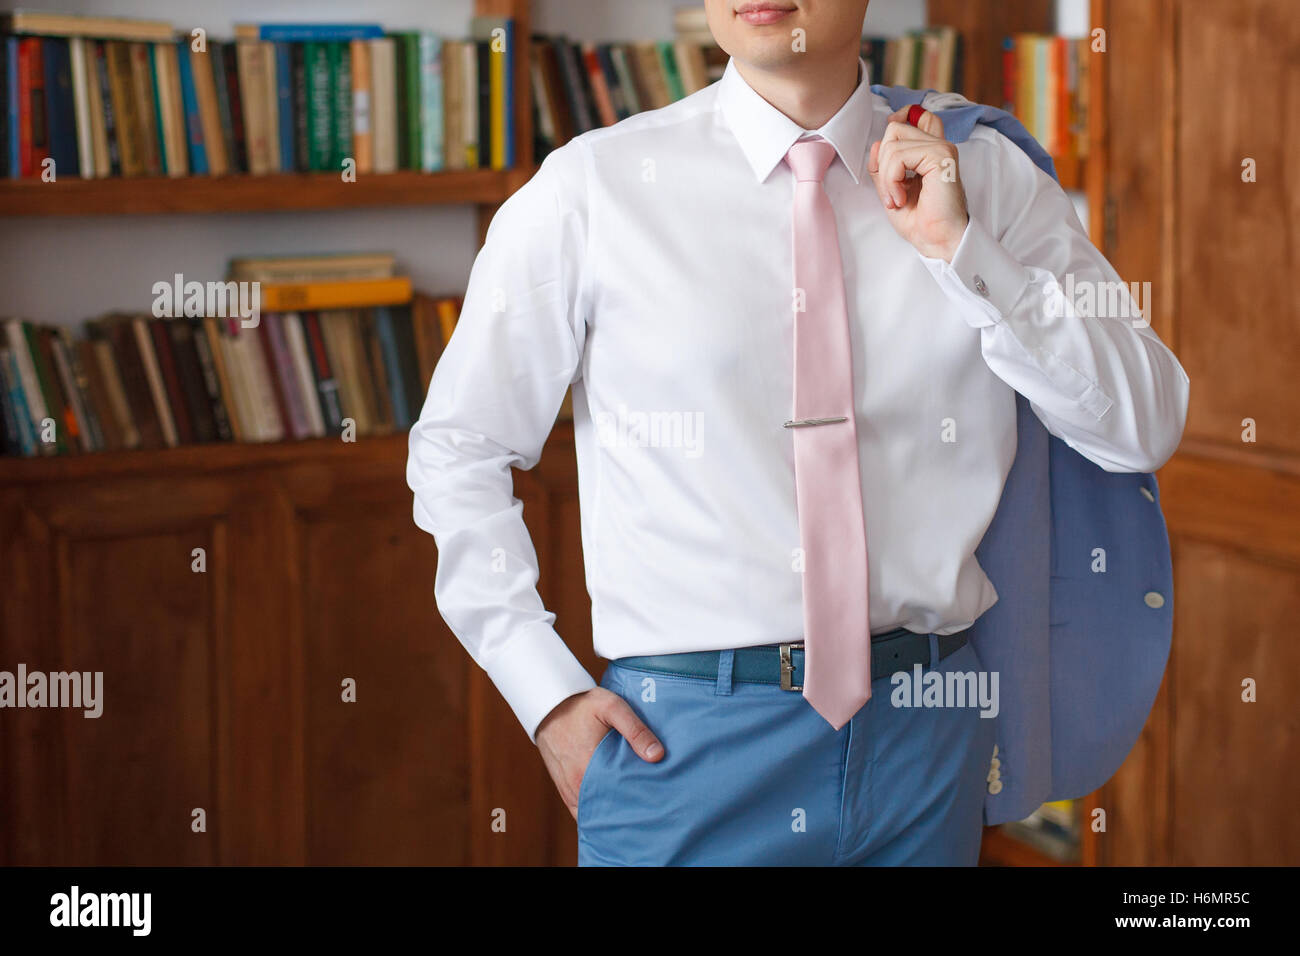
(599, 88)
(33, 134)
(162, 344)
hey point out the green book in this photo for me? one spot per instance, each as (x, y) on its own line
(50, 390)
(399, 88)
(410, 78)
(341, 85)
(669, 60)
(319, 101)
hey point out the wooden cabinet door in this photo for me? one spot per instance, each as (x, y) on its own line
(1214, 778)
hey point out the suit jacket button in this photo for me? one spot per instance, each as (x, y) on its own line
(995, 787)
(1154, 599)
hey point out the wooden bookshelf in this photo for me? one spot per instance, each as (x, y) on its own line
(275, 193)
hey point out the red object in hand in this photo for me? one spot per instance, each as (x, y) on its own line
(914, 114)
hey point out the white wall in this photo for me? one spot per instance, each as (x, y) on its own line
(66, 269)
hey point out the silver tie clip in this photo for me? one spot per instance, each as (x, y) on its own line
(805, 422)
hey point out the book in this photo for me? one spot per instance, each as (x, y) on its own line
(360, 293)
(362, 128)
(284, 102)
(198, 155)
(297, 32)
(383, 112)
(431, 92)
(69, 25)
(60, 108)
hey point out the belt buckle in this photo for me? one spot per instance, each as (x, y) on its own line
(787, 666)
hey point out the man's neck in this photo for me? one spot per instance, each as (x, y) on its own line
(811, 93)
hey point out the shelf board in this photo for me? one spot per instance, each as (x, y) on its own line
(224, 456)
(286, 191)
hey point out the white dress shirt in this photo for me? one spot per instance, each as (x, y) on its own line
(649, 265)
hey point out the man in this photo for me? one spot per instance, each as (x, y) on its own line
(795, 325)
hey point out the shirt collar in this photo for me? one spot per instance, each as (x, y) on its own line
(765, 134)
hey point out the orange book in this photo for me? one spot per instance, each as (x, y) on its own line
(362, 140)
(355, 294)
(448, 313)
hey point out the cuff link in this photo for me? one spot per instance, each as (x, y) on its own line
(981, 286)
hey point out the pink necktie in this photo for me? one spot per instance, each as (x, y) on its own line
(828, 488)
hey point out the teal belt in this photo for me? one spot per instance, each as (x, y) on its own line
(782, 664)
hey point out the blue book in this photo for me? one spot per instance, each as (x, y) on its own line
(11, 107)
(22, 412)
(284, 98)
(393, 364)
(431, 121)
(60, 114)
(298, 32)
(193, 124)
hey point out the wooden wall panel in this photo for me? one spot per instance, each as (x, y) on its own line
(1234, 773)
(1238, 94)
(395, 764)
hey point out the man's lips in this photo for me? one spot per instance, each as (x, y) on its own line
(762, 14)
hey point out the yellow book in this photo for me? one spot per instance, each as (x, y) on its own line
(356, 294)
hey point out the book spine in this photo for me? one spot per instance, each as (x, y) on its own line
(13, 139)
(33, 135)
(111, 373)
(75, 410)
(327, 385)
(239, 136)
(341, 86)
(26, 369)
(60, 114)
(81, 107)
(284, 112)
(173, 392)
(23, 425)
(317, 60)
(136, 382)
(189, 372)
(362, 139)
(285, 376)
(146, 106)
(214, 364)
(291, 323)
(301, 107)
(326, 32)
(193, 122)
(383, 322)
(411, 79)
(431, 121)
(87, 411)
(65, 426)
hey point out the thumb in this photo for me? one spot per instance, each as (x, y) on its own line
(639, 737)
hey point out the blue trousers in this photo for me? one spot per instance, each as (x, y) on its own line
(753, 776)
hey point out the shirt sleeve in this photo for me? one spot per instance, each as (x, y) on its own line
(1058, 325)
(492, 402)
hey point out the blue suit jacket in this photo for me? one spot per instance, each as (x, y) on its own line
(1080, 654)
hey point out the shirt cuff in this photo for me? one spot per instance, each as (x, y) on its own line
(983, 274)
(534, 673)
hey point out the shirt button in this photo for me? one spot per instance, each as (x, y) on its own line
(981, 287)
(1154, 599)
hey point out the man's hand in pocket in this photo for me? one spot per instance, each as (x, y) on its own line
(569, 735)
